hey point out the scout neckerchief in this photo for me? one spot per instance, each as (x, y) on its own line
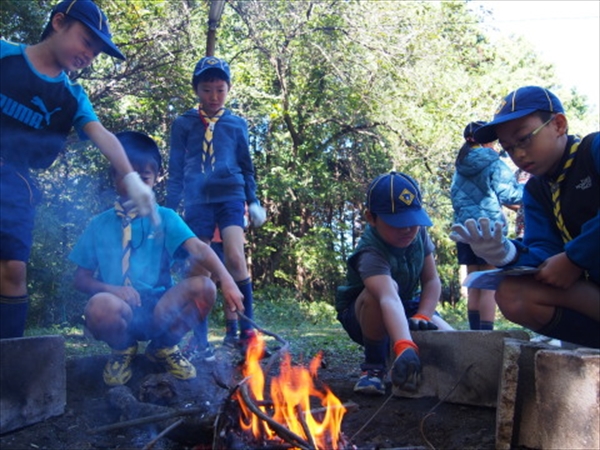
(126, 218)
(555, 190)
(208, 153)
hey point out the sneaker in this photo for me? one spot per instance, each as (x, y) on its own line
(193, 352)
(172, 360)
(406, 370)
(370, 383)
(231, 341)
(117, 370)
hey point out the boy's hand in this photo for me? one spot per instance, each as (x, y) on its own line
(486, 242)
(141, 195)
(258, 215)
(559, 271)
(421, 322)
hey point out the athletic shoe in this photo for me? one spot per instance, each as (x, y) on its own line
(406, 370)
(370, 383)
(172, 360)
(194, 352)
(231, 341)
(117, 370)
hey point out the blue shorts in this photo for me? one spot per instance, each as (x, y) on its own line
(203, 219)
(140, 327)
(466, 256)
(18, 197)
(350, 322)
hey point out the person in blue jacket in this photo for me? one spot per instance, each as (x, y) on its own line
(39, 106)
(481, 185)
(211, 168)
(562, 220)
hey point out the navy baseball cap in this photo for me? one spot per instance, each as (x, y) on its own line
(139, 146)
(517, 104)
(395, 197)
(211, 63)
(469, 132)
(87, 12)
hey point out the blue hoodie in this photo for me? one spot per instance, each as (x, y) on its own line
(481, 184)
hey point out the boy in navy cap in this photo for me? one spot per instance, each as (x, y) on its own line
(392, 285)
(39, 106)
(124, 265)
(211, 168)
(562, 220)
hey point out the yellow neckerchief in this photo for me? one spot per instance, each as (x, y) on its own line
(555, 190)
(208, 153)
(126, 219)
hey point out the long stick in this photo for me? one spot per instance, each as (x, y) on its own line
(174, 425)
(145, 420)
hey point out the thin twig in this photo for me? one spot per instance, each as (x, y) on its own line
(430, 412)
(372, 417)
(147, 419)
(280, 430)
(300, 414)
(171, 427)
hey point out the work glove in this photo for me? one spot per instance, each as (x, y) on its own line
(142, 196)
(486, 241)
(421, 322)
(258, 216)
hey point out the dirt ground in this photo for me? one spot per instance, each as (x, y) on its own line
(400, 423)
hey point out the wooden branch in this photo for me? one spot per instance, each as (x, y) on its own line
(147, 419)
(164, 432)
(280, 430)
(301, 417)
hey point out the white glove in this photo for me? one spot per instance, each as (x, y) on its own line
(258, 216)
(487, 243)
(141, 195)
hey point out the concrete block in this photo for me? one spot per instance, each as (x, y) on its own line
(507, 394)
(566, 407)
(32, 380)
(461, 366)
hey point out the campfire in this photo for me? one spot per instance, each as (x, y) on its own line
(299, 411)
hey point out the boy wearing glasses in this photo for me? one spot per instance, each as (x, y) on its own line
(562, 220)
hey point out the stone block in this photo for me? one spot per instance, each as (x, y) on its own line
(461, 366)
(32, 380)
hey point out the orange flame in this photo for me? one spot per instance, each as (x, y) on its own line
(291, 392)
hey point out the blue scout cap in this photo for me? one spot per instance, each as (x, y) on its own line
(211, 63)
(138, 145)
(87, 12)
(517, 104)
(469, 132)
(395, 197)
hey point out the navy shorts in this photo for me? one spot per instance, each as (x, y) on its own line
(203, 219)
(350, 322)
(140, 327)
(466, 256)
(18, 197)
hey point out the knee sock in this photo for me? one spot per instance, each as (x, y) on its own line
(201, 333)
(245, 287)
(474, 320)
(375, 354)
(486, 325)
(13, 314)
(572, 326)
(231, 328)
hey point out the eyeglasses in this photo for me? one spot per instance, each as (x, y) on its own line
(526, 140)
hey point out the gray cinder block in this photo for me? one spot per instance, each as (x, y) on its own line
(32, 380)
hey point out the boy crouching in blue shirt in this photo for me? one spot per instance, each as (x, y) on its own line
(124, 263)
(392, 284)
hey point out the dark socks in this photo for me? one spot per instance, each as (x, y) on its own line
(486, 325)
(376, 353)
(474, 320)
(571, 326)
(201, 333)
(231, 328)
(13, 314)
(245, 287)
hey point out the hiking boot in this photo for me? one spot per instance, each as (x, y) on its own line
(117, 370)
(172, 360)
(370, 383)
(406, 370)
